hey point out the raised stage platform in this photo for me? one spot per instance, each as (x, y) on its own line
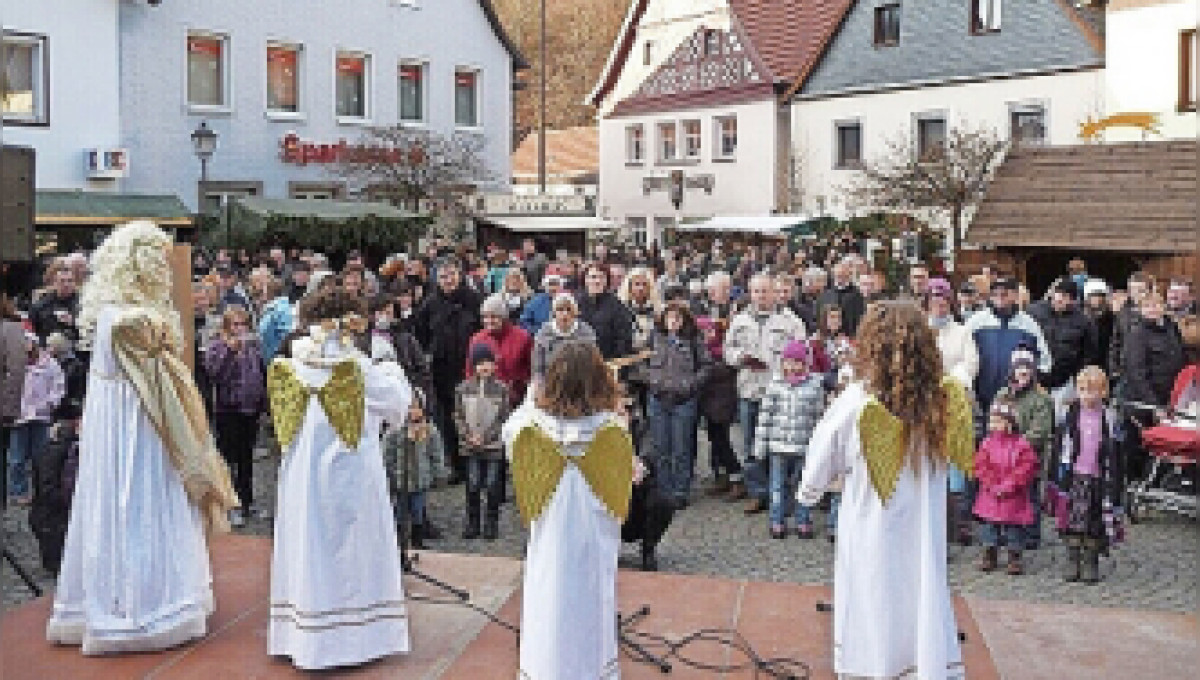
(1004, 639)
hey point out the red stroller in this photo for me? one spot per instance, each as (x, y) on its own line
(1174, 446)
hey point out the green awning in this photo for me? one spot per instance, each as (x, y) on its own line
(74, 207)
(324, 210)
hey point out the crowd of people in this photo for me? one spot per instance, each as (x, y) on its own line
(703, 337)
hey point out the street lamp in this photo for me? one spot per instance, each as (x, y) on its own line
(204, 143)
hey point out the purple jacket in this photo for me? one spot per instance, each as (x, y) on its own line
(45, 385)
(238, 378)
(1005, 465)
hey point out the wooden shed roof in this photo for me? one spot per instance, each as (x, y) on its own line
(1140, 196)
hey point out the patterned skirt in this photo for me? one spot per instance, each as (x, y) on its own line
(1085, 507)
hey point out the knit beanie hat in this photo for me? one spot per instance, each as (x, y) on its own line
(1004, 409)
(1023, 357)
(565, 299)
(481, 353)
(940, 287)
(494, 305)
(1095, 287)
(797, 350)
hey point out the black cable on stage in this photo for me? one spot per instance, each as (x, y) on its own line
(781, 668)
(490, 616)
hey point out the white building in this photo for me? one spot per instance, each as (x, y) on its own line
(907, 71)
(694, 86)
(1153, 66)
(61, 65)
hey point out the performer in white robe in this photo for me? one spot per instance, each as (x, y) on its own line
(572, 466)
(135, 574)
(336, 593)
(892, 610)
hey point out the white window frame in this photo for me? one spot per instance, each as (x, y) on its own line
(719, 137)
(682, 135)
(660, 140)
(985, 16)
(226, 105)
(1027, 106)
(301, 81)
(635, 149)
(368, 86)
(917, 118)
(838, 126)
(423, 65)
(478, 73)
(39, 79)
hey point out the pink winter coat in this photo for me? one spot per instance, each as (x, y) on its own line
(1005, 466)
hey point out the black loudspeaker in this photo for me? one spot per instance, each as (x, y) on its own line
(16, 204)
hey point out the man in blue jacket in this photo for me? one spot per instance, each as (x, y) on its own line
(997, 331)
(538, 310)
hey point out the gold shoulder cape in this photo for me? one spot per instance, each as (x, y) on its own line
(538, 464)
(147, 352)
(342, 397)
(884, 439)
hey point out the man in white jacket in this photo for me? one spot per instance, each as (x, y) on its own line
(753, 344)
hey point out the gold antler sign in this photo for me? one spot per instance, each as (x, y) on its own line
(1091, 128)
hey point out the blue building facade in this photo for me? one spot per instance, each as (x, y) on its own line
(307, 72)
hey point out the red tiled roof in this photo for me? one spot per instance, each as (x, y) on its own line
(570, 152)
(788, 34)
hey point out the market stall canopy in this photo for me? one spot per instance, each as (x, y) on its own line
(551, 223)
(1135, 197)
(321, 223)
(74, 207)
(766, 225)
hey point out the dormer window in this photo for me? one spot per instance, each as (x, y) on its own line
(712, 43)
(985, 16)
(887, 25)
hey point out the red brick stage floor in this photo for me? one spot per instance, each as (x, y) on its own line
(1004, 639)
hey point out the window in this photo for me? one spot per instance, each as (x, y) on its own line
(412, 93)
(283, 78)
(215, 195)
(26, 79)
(726, 136)
(931, 135)
(635, 144)
(466, 98)
(647, 52)
(352, 85)
(691, 138)
(1027, 124)
(712, 42)
(985, 16)
(887, 25)
(849, 144)
(207, 71)
(666, 141)
(637, 225)
(316, 190)
(1189, 70)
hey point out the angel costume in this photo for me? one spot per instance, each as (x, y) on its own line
(135, 573)
(573, 480)
(336, 592)
(892, 612)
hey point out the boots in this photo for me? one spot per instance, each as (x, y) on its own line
(429, 531)
(1071, 571)
(720, 485)
(989, 561)
(754, 506)
(491, 522)
(472, 528)
(1014, 563)
(1089, 568)
(958, 520)
(649, 559)
(416, 535)
(737, 492)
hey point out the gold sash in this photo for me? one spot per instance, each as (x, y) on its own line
(147, 352)
(538, 464)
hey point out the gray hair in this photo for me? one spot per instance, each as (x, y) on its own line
(718, 278)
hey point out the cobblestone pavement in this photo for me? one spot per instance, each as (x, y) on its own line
(1154, 569)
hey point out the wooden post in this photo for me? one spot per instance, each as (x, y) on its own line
(181, 298)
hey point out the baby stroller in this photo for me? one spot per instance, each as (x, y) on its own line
(1174, 447)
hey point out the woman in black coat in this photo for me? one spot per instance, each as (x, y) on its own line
(606, 314)
(1153, 355)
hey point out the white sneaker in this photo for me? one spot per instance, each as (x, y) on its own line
(236, 519)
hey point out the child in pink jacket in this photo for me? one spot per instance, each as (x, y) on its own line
(1005, 465)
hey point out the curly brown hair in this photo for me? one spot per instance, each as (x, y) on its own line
(577, 383)
(898, 358)
(330, 303)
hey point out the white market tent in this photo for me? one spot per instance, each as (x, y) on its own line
(766, 225)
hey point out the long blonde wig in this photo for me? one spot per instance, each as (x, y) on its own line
(130, 268)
